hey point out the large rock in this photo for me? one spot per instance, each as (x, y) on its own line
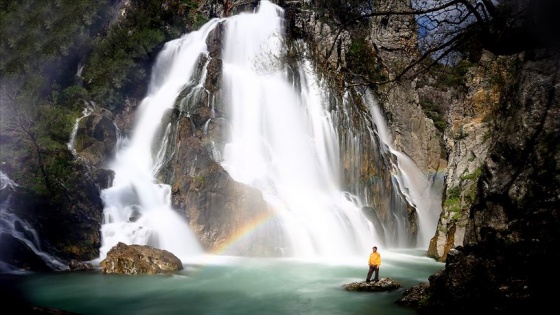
(140, 259)
(383, 285)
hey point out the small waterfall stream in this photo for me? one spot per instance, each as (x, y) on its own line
(419, 189)
(86, 112)
(13, 226)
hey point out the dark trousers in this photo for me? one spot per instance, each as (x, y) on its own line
(373, 268)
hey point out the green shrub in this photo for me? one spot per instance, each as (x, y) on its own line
(361, 60)
(433, 112)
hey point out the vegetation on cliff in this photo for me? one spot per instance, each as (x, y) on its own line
(57, 58)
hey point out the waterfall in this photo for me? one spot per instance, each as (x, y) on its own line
(284, 141)
(137, 208)
(420, 190)
(85, 113)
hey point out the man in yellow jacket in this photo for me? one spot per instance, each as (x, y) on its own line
(374, 263)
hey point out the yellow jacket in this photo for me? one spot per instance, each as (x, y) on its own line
(375, 259)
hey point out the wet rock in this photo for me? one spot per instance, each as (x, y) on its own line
(383, 285)
(414, 295)
(76, 265)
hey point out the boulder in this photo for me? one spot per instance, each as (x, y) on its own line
(139, 259)
(383, 285)
(76, 265)
(414, 295)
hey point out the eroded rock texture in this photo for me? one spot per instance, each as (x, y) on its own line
(507, 263)
(139, 259)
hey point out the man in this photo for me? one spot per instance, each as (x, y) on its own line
(374, 263)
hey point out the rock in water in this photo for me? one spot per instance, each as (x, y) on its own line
(76, 265)
(384, 284)
(139, 259)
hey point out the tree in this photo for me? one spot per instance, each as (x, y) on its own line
(33, 134)
(453, 30)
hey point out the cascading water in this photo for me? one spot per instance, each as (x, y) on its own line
(419, 189)
(294, 141)
(22, 233)
(137, 207)
(283, 141)
(71, 142)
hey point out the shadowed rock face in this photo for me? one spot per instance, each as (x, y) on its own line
(512, 237)
(17, 253)
(139, 259)
(96, 138)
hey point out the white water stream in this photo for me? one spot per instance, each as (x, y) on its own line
(137, 207)
(21, 230)
(418, 188)
(282, 140)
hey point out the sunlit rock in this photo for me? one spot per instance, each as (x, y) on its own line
(139, 259)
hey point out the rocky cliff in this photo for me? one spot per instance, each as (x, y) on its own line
(508, 253)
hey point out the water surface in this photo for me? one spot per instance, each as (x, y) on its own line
(232, 285)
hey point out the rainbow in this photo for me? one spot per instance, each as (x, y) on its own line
(249, 229)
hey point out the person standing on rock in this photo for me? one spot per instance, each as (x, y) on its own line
(374, 264)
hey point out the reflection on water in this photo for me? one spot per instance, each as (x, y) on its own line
(231, 285)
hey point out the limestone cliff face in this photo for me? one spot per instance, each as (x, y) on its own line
(500, 153)
(389, 43)
(498, 230)
(396, 41)
(470, 117)
(511, 236)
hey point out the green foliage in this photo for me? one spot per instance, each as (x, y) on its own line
(345, 11)
(44, 42)
(199, 180)
(453, 205)
(72, 97)
(38, 131)
(453, 200)
(57, 123)
(198, 20)
(361, 59)
(434, 112)
(454, 192)
(43, 45)
(462, 196)
(453, 76)
(121, 60)
(473, 176)
(40, 37)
